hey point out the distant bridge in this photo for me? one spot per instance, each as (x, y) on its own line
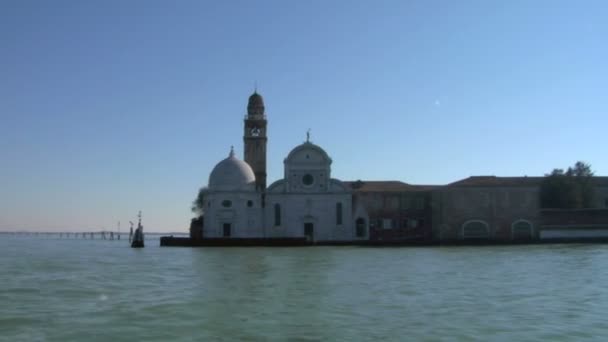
(100, 235)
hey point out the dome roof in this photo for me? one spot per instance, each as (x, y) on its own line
(308, 153)
(255, 105)
(232, 174)
(256, 99)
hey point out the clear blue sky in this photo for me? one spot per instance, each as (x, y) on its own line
(110, 107)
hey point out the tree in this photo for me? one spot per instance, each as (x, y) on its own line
(583, 177)
(198, 205)
(581, 170)
(568, 190)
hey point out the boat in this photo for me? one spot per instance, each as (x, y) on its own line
(138, 237)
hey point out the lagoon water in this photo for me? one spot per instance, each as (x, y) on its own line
(93, 290)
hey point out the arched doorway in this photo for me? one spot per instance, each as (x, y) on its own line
(522, 230)
(475, 229)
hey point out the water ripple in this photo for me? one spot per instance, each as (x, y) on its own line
(72, 290)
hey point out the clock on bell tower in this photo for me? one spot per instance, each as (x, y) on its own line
(255, 139)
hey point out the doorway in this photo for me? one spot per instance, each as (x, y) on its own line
(309, 231)
(360, 227)
(227, 229)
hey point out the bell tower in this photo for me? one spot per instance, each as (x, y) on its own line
(255, 139)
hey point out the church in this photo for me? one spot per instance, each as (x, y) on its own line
(309, 206)
(306, 203)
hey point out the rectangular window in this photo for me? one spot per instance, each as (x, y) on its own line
(277, 214)
(387, 224)
(338, 213)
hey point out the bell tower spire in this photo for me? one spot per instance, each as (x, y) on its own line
(255, 139)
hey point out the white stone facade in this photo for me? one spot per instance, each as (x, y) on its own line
(307, 202)
(233, 214)
(233, 208)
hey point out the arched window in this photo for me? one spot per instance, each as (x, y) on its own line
(360, 227)
(475, 229)
(338, 213)
(277, 214)
(521, 230)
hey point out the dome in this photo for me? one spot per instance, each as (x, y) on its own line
(232, 174)
(308, 153)
(255, 105)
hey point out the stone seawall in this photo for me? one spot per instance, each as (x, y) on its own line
(170, 241)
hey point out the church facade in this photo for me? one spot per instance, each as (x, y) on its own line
(307, 203)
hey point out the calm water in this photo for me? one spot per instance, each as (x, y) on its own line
(83, 290)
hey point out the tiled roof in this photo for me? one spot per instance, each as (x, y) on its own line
(483, 181)
(487, 181)
(473, 181)
(385, 186)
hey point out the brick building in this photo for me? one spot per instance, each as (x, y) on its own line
(495, 208)
(394, 210)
